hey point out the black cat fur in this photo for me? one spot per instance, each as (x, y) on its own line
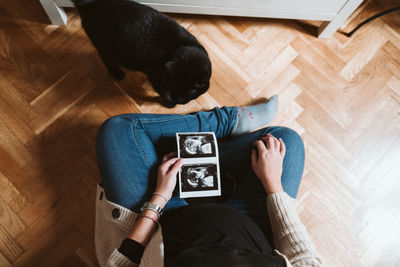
(134, 36)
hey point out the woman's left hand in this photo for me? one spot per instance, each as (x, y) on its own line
(166, 179)
(267, 162)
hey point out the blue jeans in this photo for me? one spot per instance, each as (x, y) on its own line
(130, 146)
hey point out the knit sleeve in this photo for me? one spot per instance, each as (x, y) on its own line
(117, 259)
(290, 235)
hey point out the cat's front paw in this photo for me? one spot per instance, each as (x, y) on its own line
(168, 104)
(117, 74)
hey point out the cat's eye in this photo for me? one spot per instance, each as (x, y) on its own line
(199, 85)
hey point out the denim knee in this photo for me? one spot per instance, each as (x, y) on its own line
(112, 126)
(288, 135)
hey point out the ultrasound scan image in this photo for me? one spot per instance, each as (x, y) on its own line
(199, 177)
(196, 146)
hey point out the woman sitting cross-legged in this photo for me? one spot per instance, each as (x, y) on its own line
(255, 224)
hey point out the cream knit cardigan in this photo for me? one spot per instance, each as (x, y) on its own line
(290, 235)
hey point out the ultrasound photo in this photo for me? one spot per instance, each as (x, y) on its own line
(199, 177)
(199, 145)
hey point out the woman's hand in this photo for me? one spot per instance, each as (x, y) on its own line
(166, 178)
(267, 162)
(143, 228)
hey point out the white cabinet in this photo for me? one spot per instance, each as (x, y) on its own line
(333, 12)
(304, 9)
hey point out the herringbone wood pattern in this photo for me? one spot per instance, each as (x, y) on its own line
(342, 95)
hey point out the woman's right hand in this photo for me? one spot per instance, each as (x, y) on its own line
(267, 162)
(166, 178)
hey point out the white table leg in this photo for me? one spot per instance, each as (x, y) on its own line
(328, 28)
(56, 14)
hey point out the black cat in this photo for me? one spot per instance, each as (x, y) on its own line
(134, 36)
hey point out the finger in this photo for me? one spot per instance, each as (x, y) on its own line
(167, 165)
(283, 147)
(266, 137)
(260, 148)
(270, 142)
(176, 166)
(277, 144)
(265, 140)
(253, 156)
(169, 156)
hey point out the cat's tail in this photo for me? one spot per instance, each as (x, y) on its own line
(79, 3)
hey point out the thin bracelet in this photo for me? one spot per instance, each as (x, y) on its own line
(148, 217)
(158, 194)
(154, 210)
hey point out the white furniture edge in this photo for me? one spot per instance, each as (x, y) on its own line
(330, 27)
(56, 14)
(332, 21)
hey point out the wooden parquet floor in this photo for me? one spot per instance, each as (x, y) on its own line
(341, 94)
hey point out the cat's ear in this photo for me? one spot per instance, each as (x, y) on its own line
(170, 67)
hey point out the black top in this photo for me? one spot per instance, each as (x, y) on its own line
(209, 235)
